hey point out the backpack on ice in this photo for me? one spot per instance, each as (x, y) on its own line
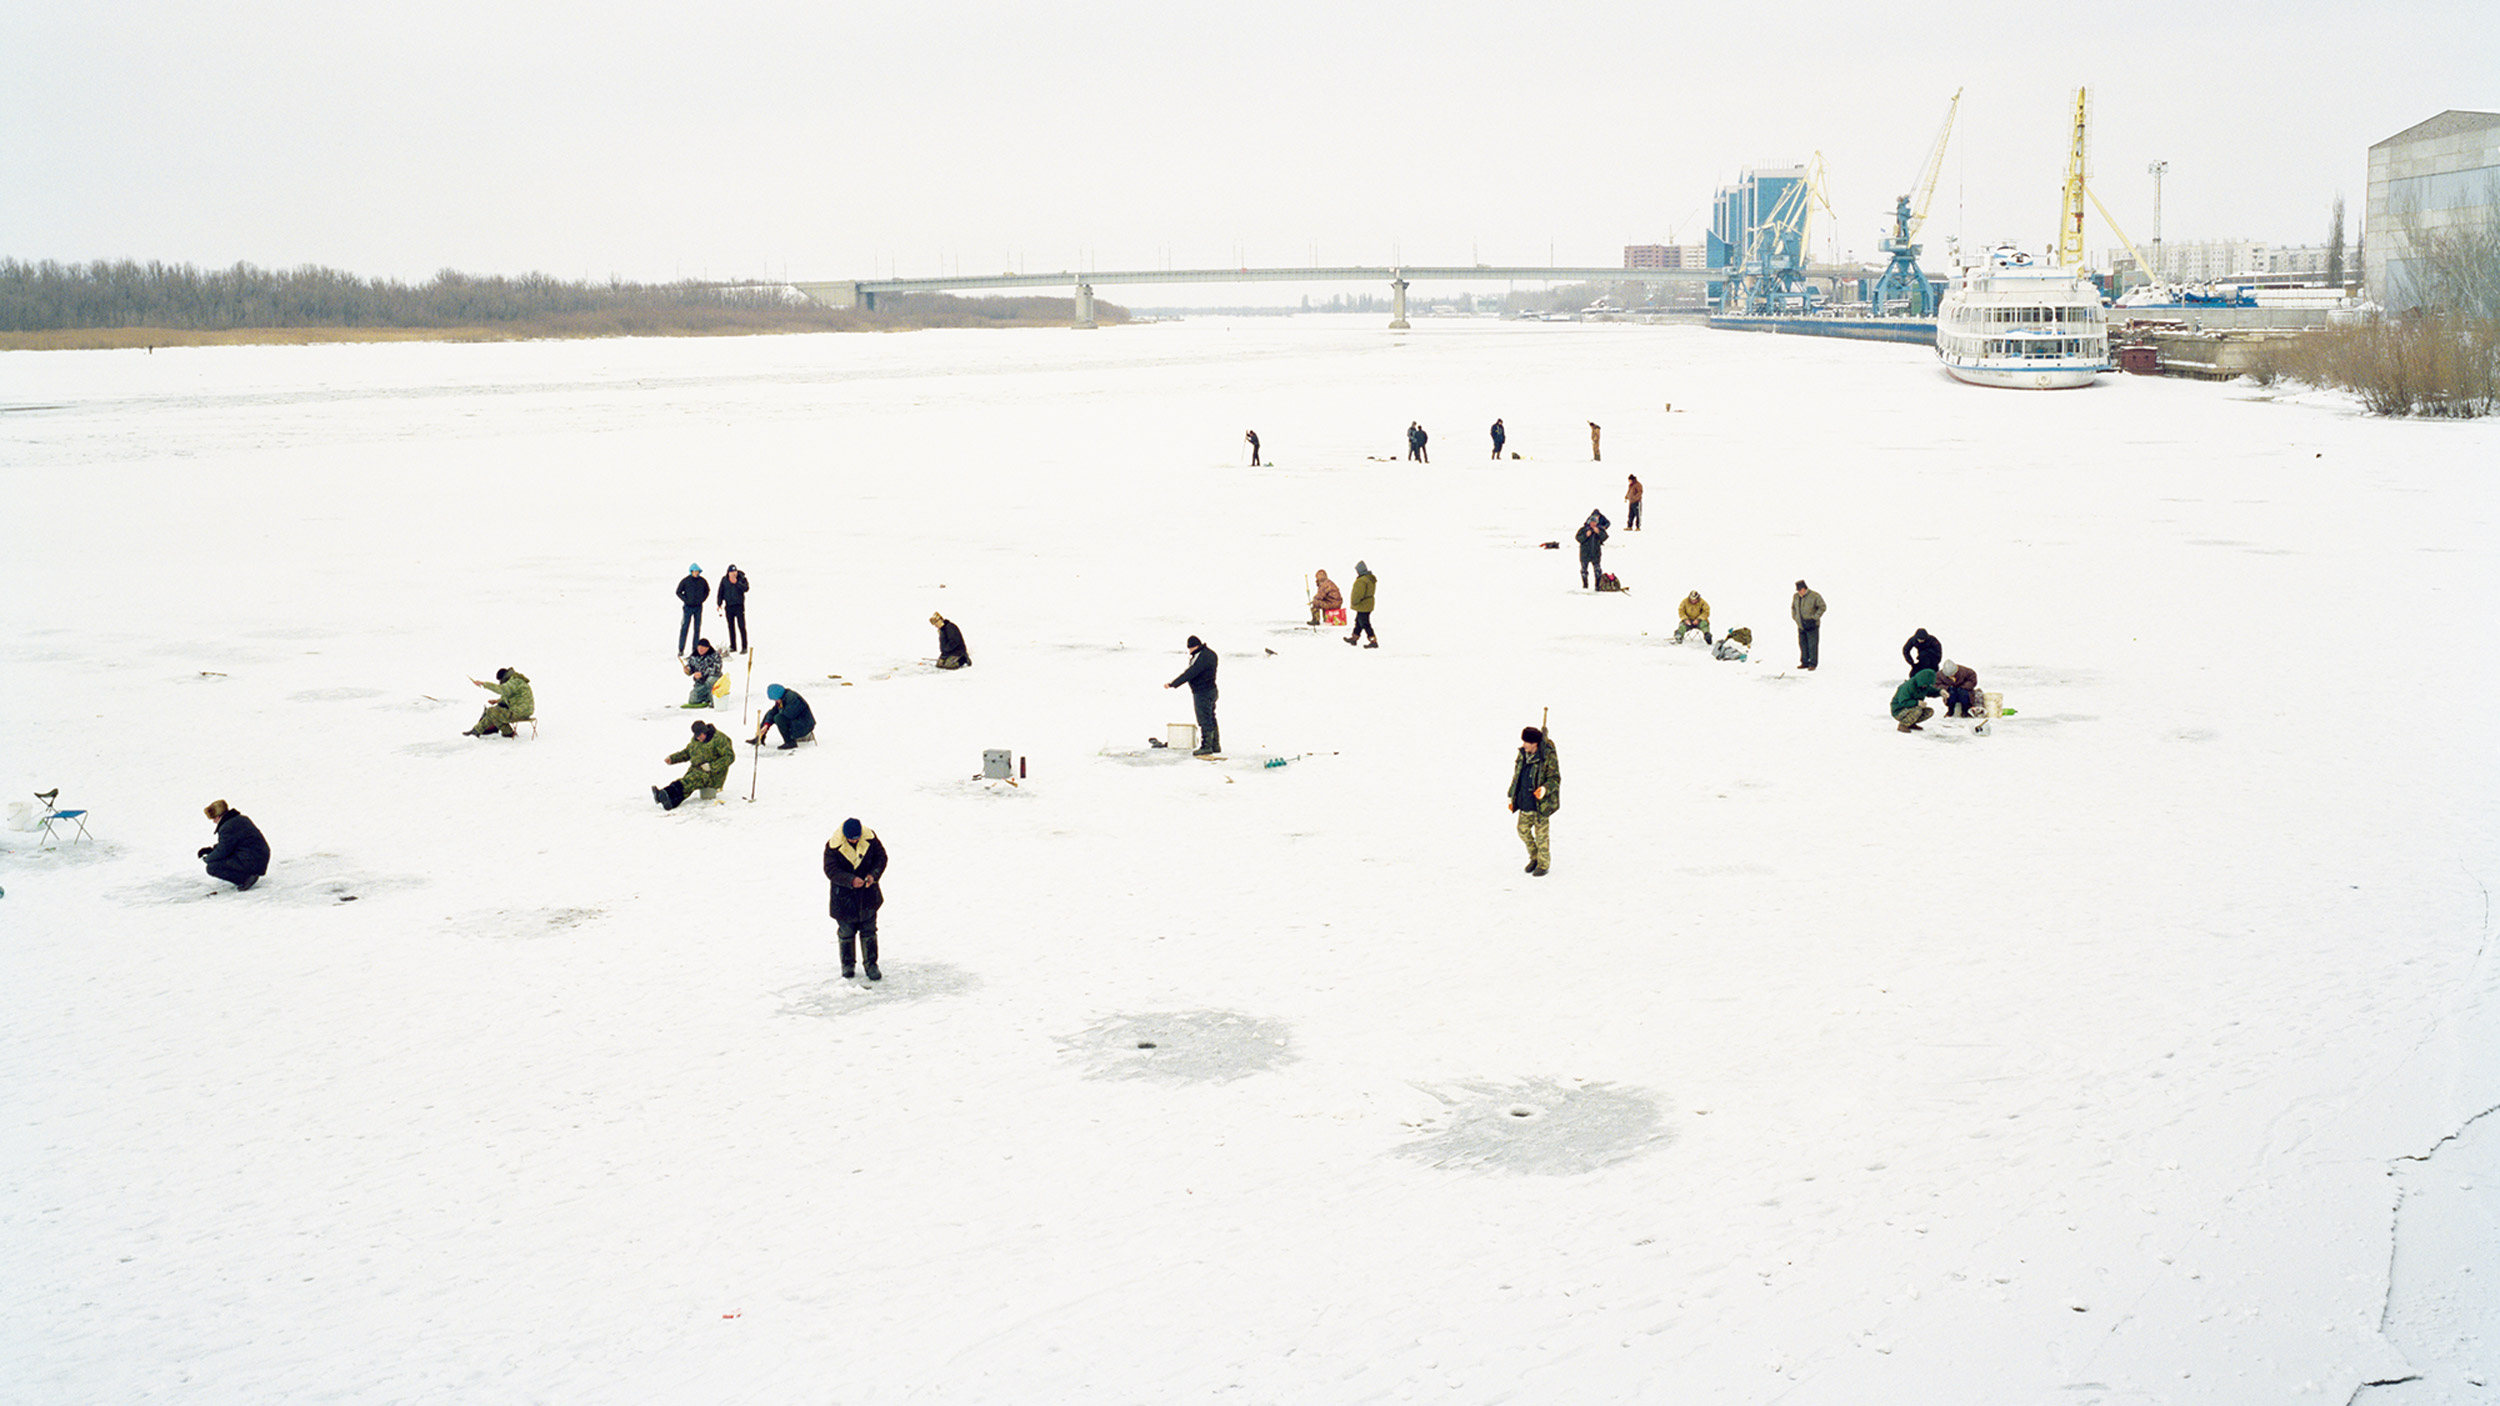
(1606, 582)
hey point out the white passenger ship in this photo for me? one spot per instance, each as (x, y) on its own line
(2031, 326)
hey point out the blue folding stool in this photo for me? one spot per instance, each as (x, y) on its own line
(53, 814)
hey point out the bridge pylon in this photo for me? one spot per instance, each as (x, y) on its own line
(1084, 308)
(1397, 301)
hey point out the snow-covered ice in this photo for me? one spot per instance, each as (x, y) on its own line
(2132, 1053)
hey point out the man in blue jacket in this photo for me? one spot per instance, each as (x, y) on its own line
(790, 713)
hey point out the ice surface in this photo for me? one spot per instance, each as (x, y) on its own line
(2087, 1061)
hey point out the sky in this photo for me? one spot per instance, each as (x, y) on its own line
(830, 142)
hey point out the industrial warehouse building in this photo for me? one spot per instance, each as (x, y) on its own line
(2435, 176)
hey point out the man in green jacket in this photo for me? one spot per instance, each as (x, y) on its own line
(1366, 588)
(707, 757)
(1806, 608)
(1535, 794)
(1907, 710)
(513, 704)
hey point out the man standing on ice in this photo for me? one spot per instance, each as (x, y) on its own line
(1594, 456)
(1632, 503)
(1366, 590)
(1592, 540)
(240, 855)
(1922, 650)
(1500, 436)
(1253, 437)
(1806, 608)
(691, 594)
(854, 862)
(733, 608)
(1200, 676)
(1535, 794)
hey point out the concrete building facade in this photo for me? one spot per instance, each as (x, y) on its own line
(2433, 177)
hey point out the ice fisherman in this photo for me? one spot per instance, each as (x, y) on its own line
(1922, 650)
(1200, 676)
(1366, 591)
(790, 713)
(1960, 683)
(513, 704)
(1592, 540)
(1500, 437)
(854, 864)
(240, 855)
(1806, 608)
(1631, 502)
(703, 666)
(1253, 437)
(1535, 794)
(1692, 613)
(691, 594)
(1907, 708)
(1594, 456)
(951, 651)
(733, 608)
(708, 758)
(1325, 597)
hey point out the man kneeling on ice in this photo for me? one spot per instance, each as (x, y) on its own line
(240, 855)
(1960, 683)
(951, 651)
(513, 704)
(790, 713)
(707, 757)
(1907, 710)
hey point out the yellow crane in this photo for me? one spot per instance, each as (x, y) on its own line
(2079, 189)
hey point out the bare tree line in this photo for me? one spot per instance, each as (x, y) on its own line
(49, 296)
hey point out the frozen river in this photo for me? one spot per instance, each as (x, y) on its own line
(2132, 1053)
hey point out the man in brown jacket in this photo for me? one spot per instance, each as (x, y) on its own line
(1806, 608)
(1632, 503)
(1324, 598)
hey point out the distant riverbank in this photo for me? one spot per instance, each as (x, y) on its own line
(55, 307)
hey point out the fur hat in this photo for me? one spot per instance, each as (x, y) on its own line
(774, 691)
(937, 618)
(215, 810)
(503, 676)
(1530, 734)
(698, 727)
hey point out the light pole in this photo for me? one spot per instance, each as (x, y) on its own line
(2155, 171)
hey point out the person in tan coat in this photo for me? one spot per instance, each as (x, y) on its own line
(1692, 613)
(1325, 597)
(1632, 503)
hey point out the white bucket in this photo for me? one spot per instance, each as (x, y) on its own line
(1181, 735)
(22, 816)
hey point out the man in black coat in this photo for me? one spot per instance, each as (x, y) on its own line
(1500, 436)
(691, 593)
(1200, 676)
(1922, 650)
(790, 713)
(733, 608)
(951, 651)
(240, 855)
(1592, 540)
(854, 863)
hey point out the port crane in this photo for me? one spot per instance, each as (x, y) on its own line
(1903, 290)
(2078, 190)
(1767, 279)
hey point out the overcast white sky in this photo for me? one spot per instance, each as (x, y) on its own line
(836, 141)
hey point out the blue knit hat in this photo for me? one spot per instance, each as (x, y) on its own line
(694, 568)
(774, 691)
(850, 829)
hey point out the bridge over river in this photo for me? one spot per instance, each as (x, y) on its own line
(863, 293)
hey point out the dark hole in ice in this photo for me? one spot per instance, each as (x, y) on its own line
(1145, 1044)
